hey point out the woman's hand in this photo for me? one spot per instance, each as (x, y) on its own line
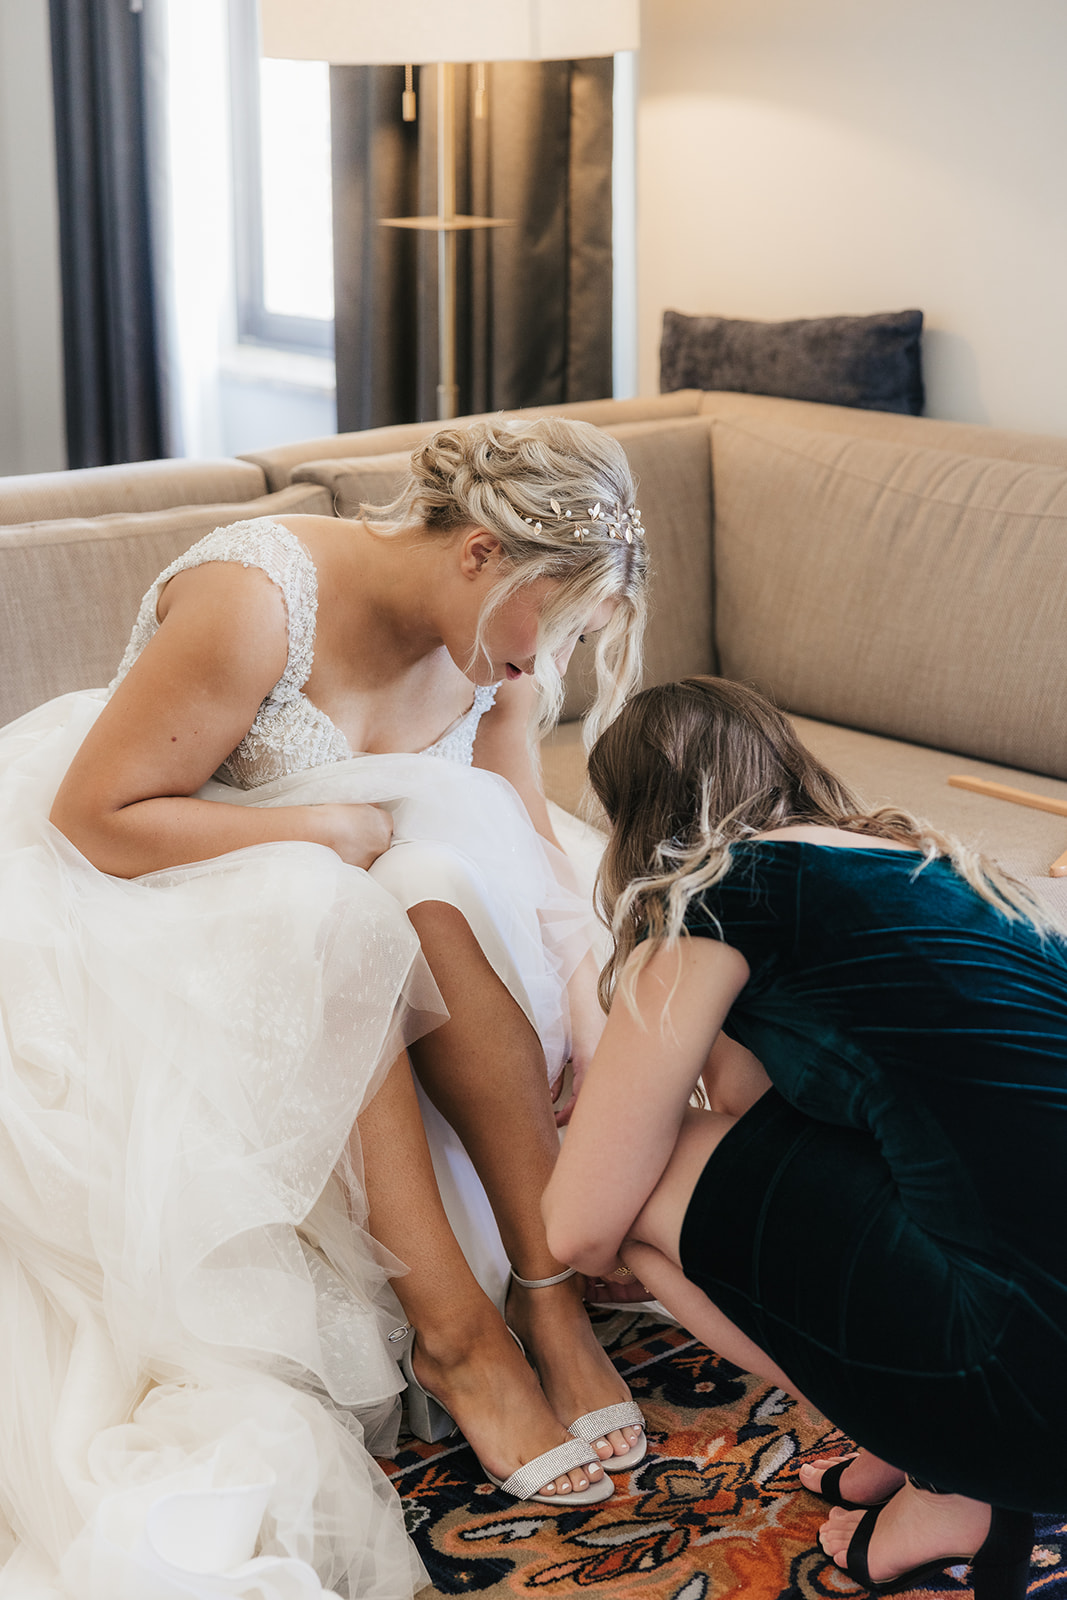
(359, 833)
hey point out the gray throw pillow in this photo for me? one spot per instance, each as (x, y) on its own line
(874, 363)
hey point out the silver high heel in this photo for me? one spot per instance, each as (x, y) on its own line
(595, 1424)
(427, 1417)
(428, 1420)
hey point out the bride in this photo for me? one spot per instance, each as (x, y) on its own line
(296, 848)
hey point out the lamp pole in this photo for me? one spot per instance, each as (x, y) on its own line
(447, 387)
(446, 224)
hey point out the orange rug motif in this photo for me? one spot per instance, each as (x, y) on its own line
(715, 1507)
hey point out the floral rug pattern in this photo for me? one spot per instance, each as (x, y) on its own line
(715, 1506)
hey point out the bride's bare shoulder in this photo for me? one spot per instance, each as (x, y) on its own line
(305, 522)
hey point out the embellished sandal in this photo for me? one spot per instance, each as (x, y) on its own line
(428, 1420)
(595, 1424)
(1000, 1567)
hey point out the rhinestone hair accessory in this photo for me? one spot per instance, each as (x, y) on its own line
(624, 522)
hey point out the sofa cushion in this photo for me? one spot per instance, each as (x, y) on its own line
(891, 772)
(278, 463)
(353, 481)
(671, 461)
(873, 362)
(137, 486)
(914, 593)
(69, 590)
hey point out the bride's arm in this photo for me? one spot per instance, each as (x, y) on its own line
(127, 800)
(502, 746)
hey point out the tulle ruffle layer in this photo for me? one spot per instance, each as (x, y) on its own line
(193, 1349)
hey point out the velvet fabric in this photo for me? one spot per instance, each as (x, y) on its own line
(873, 362)
(887, 1222)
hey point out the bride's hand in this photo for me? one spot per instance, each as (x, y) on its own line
(359, 833)
(587, 1024)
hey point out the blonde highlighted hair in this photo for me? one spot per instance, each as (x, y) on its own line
(689, 769)
(503, 476)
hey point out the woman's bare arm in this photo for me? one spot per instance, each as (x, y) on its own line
(127, 800)
(626, 1122)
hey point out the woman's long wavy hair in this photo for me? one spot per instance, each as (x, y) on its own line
(689, 769)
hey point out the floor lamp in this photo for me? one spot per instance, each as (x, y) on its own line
(397, 32)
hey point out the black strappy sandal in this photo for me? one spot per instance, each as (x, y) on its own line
(830, 1489)
(1000, 1568)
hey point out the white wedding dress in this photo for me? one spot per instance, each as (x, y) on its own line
(193, 1339)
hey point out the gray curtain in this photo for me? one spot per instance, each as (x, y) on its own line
(534, 300)
(109, 340)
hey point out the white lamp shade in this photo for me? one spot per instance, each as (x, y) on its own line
(392, 32)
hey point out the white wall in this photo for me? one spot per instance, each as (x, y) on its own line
(810, 157)
(32, 432)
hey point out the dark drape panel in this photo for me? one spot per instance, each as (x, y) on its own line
(534, 300)
(109, 343)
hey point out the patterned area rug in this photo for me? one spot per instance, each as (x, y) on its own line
(716, 1505)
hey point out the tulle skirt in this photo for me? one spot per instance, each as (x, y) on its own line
(193, 1347)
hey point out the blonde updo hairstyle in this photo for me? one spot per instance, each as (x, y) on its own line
(502, 476)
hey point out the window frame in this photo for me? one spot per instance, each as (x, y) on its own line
(255, 324)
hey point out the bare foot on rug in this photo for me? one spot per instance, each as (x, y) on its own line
(575, 1372)
(867, 1480)
(483, 1381)
(915, 1527)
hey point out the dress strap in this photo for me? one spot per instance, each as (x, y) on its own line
(257, 542)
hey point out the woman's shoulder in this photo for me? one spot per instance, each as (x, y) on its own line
(829, 838)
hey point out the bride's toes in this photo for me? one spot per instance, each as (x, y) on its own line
(618, 1442)
(579, 1479)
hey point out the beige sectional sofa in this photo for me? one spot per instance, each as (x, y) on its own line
(898, 583)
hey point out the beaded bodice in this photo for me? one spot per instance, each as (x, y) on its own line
(289, 734)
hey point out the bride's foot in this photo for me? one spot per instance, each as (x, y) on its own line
(480, 1377)
(867, 1480)
(576, 1373)
(916, 1527)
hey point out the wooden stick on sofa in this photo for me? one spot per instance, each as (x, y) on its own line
(1020, 797)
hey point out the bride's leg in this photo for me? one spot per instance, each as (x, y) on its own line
(484, 1070)
(464, 1354)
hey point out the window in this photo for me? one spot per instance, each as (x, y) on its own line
(282, 201)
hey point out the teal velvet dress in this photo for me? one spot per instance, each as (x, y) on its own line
(889, 1222)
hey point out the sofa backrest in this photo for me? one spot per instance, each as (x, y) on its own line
(889, 586)
(278, 463)
(964, 438)
(70, 589)
(137, 486)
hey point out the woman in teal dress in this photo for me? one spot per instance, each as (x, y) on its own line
(870, 1211)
